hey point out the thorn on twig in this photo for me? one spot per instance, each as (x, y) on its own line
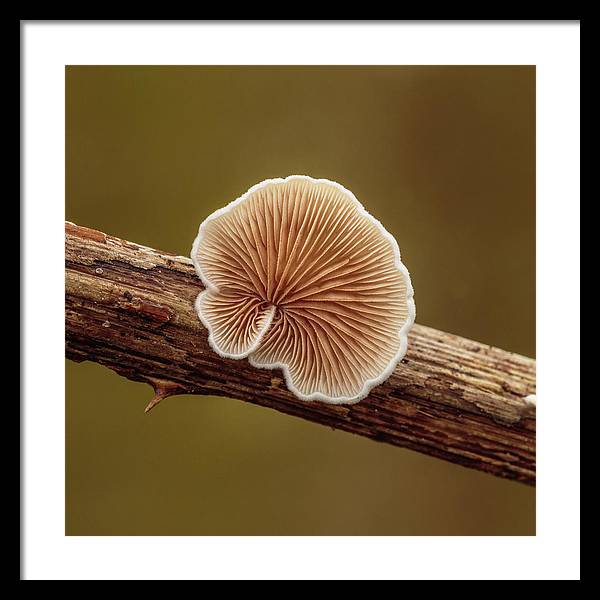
(162, 389)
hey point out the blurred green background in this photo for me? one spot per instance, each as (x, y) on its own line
(443, 156)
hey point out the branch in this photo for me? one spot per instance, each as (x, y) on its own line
(130, 308)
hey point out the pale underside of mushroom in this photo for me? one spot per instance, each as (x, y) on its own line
(300, 277)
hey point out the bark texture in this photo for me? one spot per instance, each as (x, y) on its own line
(130, 308)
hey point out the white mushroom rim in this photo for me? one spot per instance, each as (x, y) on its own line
(261, 286)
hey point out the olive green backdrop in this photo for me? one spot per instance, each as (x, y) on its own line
(443, 156)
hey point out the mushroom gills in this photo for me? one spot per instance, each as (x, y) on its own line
(300, 277)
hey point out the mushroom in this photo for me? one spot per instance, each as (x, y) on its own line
(299, 277)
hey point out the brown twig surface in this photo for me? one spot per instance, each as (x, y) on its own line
(130, 308)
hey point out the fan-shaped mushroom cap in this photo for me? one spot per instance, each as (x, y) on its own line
(300, 277)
